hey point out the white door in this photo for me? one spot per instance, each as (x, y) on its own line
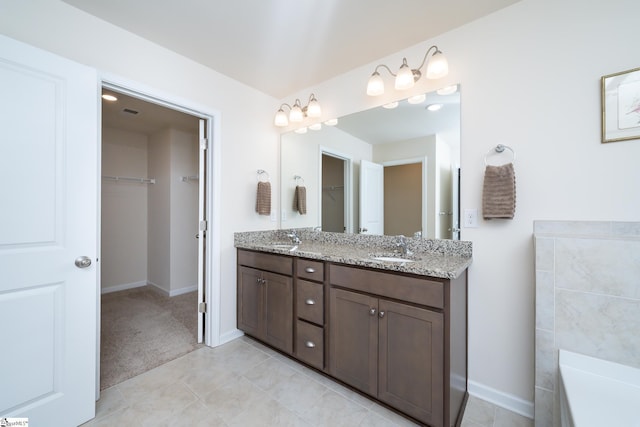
(48, 220)
(202, 226)
(371, 198)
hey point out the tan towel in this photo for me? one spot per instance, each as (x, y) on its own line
(263, 198)
(300, 200)
(499, 192)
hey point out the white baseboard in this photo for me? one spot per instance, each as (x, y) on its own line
(504, 400)
(185, 290)
(122, 287)
(230, 336)
(158, 288)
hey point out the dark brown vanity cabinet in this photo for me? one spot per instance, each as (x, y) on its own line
(309, 309)
(265, 298)
(385, 345)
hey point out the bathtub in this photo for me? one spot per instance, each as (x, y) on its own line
(595, 392)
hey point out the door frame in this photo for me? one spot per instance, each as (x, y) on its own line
(213, 161)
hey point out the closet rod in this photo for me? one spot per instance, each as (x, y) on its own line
(129, 179)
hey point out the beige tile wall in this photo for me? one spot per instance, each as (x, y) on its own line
(587, 299)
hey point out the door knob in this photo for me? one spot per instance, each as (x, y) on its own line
(83, 262)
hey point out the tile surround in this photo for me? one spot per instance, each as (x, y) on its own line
(587, 299)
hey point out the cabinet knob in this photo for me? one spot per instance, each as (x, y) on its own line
(309, 302)
(309, 344)
(310, 270)
(372, 312)
(381, 314)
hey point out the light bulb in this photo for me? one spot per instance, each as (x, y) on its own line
(404, 78)
(281, 119)
(313, 109)
(295, 115)
(438, 66)
(375, 86)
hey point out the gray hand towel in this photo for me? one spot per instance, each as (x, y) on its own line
(300, 199)
(263, 198)
(499, 192)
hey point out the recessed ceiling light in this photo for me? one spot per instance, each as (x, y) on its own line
(331, 122)
(434, 107)
(316, 126)
(301, 130)
(417, 99)
(447, 90)
(109, 97)
(390, 105)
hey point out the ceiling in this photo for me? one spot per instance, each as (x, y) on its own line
(280, 47)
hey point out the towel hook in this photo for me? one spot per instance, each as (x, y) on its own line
(263, 172)
(298, 178)
(500, 149)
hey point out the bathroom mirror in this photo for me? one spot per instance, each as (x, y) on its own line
(378, 171)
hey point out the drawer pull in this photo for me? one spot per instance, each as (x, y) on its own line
(309, 344)
(309, 302)
(310, 270)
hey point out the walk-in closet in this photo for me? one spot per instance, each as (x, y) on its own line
(149, 231)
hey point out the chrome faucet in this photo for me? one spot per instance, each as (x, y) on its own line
(403, 245)
(295, 239)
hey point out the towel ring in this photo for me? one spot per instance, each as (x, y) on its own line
(500, 149)
(263, 172)
(298, 178)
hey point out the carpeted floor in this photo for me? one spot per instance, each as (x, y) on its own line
(143, 329)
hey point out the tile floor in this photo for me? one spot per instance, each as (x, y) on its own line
(244, 383)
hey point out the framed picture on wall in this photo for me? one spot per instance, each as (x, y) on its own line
(620, 97)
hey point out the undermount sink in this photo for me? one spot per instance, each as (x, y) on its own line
(289, 246)
(391, 259)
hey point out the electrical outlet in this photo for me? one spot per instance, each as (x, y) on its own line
(274, 215)
(470, 218)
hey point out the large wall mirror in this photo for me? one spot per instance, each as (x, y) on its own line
(379, 171)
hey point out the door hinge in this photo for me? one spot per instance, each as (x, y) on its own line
(203, 226)
(203, 143)
(202, 307)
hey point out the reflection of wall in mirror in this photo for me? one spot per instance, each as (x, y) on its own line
(301, 156)
(403, 199)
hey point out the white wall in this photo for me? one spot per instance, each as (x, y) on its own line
(530, 77)
(159, 242)
(249, 140)
(184, 212)
(124, 210)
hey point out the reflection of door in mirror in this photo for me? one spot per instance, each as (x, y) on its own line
(333, 207)
(403, 199)
(371, 198)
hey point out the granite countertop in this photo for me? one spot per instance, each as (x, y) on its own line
(445, 259)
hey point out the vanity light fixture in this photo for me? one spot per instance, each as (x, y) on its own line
(437, 67)
(297, 112)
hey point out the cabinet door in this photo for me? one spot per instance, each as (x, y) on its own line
(353, 326)
(250, 304)
(411, 359)
(278, 310)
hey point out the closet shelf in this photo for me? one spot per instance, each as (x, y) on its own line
(129, 179)
(189, 178)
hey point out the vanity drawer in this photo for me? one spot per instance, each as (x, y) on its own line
(311, 270)
(310, 301)
(310, 344)
(264, 261)
(416, 290)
